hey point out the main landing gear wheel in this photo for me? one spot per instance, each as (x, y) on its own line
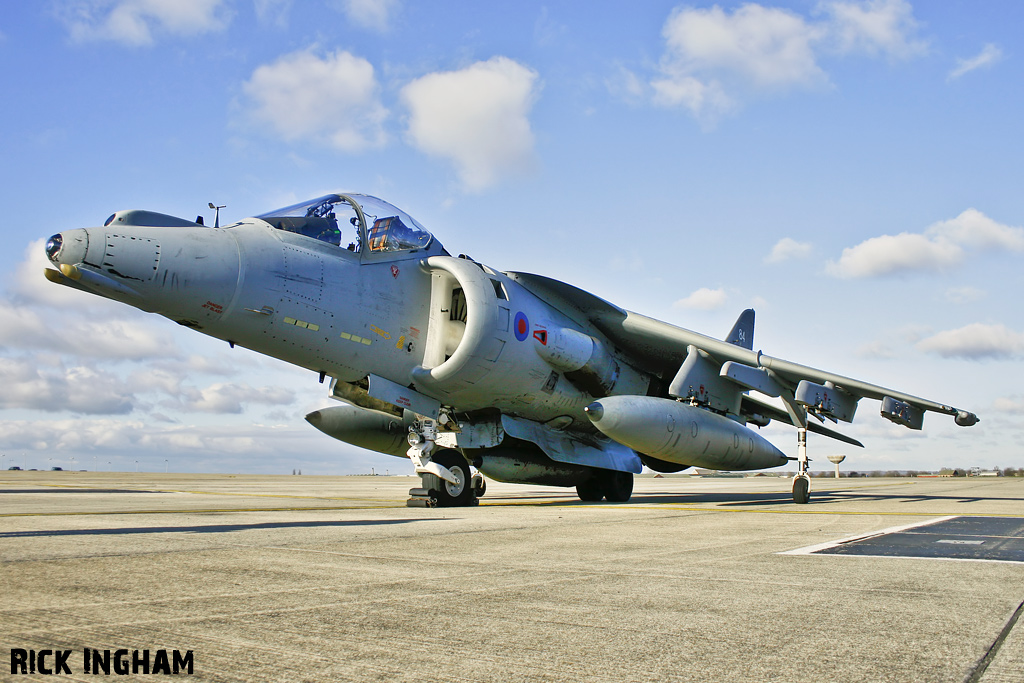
(801, 489)
(459, 494)
(479, 485)
(591, 490)
(616, 487)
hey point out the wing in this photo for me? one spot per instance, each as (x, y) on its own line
(718, 373)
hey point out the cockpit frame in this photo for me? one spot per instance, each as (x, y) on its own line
(393, 235)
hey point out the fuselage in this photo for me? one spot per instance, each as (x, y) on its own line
(456, 330)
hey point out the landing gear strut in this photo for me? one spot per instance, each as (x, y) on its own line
(445, 477)
(802, 480)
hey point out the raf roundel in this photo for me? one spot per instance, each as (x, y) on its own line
(521, 325)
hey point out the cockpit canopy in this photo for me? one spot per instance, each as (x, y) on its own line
(377, 226)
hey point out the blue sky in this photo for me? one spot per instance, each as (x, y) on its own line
(851, 169)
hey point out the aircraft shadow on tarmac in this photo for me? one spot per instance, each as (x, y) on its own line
(738, 498)
(205, 529)
(756, 499)
(63, 490)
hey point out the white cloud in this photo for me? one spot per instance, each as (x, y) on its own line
(112, 437)
(973, 229)
(133, 22)
(76, 389)
(626, 85)
(37, 330)
(989, 55)
(371, 14)
(1009, 404)
(477, 117)
(889, 254)
(976, 341)
(941, 247)
(874, 27)
(703, 299)
(715, 58)
(788, 249)
(90, 378)
(964, 295)
(875, 349)
(333, 99)
(760, 46)
(768, 46)
(228, 397)
(706, 101)
(273, 12)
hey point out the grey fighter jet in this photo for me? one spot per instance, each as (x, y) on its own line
(456, 365)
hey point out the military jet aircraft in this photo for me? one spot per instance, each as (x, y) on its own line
(457, 365)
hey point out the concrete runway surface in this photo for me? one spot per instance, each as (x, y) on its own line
(302, 578)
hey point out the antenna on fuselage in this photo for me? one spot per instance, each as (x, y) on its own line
(216, 215)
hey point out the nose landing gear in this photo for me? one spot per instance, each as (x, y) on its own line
(802, 480)
(445, 476)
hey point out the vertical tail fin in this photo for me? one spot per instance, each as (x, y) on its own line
(742, 333)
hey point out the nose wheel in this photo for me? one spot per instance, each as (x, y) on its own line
(801, 489)
(802, 480)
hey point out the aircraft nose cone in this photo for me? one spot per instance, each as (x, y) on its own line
(315, 418)
(53, 246)
(68, 247)
(595, 411)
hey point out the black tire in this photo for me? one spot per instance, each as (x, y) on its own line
(591, 490)
(480, 489)
(449, 494)
(801, 490)
(618, 486)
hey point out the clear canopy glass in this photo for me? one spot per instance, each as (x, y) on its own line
(377, 225)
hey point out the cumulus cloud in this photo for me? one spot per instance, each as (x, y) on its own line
(766, 45)
(31, 329)
(113, 437)
(626, 85)
(759, 46)
(874, 27)
(108, 381)
(989, 55)
(973, 229)
(371, 14)
(964, 295)
(226, 397)
(976, 341)
(332, 99)
(1013, 405)
(714, 58)
(876, 349)
(477, 118)
(703, 299)
(273, 11)
(76, 389)
(941, 247)
(890, 254)
(134, 22)
(788, 249)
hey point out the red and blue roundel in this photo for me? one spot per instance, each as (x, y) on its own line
(521, 326)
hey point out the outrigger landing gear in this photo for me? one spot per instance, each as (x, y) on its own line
(802, 480)
(445, 477)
